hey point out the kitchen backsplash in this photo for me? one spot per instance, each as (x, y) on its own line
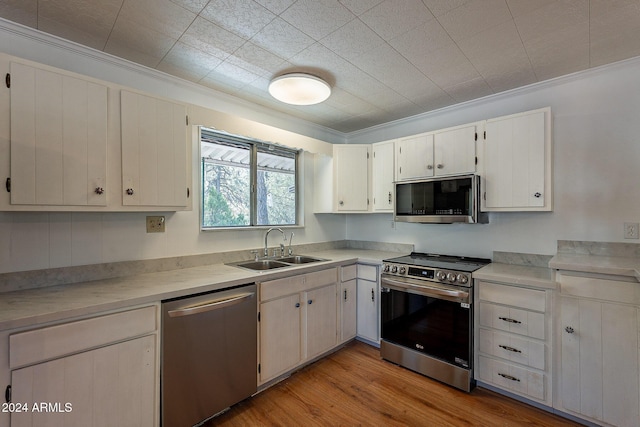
(22, 280)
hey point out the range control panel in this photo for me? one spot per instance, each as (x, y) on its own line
(427, 273)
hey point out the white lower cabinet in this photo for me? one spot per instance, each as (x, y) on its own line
(368, 284)
(599, 360)
(514, 340)
(101, 371)
(298, 321)
(348, 302)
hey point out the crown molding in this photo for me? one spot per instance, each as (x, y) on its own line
(34, 45)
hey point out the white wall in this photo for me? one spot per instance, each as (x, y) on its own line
(31, 241)
(596, 138)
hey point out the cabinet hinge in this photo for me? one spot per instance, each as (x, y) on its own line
(484, 196)
(367, 154)
(476, 137)
(485, 134)
(187, 120)
(188, 192)
(7, 394)
(258, 316)
(476, 160)
(259, 368)
(7, 185)
(367, 202)
(7, 80)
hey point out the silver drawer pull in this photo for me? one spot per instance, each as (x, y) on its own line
(506, 319)
(506, 347)
(509, 377)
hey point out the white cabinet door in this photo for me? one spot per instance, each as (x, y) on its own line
(154, 151)
(322, 320)
(368, 310)
(454, 150)
(382, 176)
(414, 157)
(110, 386)
(351, 169)
(348, 307)
(280, 336)
(517, 162)
(599, 367)
(58, 139)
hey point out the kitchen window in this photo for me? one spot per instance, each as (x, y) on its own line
(247, 182)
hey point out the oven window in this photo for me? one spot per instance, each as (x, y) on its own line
(438, 328)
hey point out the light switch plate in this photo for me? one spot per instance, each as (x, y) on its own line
(155, 224)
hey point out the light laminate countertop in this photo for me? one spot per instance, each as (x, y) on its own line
(26, 308)
(522, 275)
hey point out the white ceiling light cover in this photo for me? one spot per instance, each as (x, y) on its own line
(299, 89)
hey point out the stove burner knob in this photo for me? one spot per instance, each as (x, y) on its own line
(462, 279)
(394, 269)
(441, 275)
(403, 270)
(451, 277)
(386, 268)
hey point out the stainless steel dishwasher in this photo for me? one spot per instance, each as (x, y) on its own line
(209, 354)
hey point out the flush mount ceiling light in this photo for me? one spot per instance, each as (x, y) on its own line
(299, 89)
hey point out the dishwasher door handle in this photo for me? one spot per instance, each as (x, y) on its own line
(209, 306)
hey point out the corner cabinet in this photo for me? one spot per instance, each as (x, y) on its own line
(298, 321)
(348, 302)
(599, 358)
(58, 139)
(154, 151)
(517, 163)
(98, 371)
(351, 177)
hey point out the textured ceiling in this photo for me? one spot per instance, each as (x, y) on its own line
(386, 59)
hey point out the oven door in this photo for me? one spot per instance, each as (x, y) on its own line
(429, 318)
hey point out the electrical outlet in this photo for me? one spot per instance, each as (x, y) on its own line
(630, 230)
(155, 224)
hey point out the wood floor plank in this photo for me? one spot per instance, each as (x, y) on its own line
(354, 387)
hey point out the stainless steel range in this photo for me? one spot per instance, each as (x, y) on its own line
(427, 315)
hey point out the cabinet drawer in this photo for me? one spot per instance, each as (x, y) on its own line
(514, 348)
(39, 345)
(298, 283)
(348, 272)
(513, 378)
(515, 320)
(529, 299)
(368, 272)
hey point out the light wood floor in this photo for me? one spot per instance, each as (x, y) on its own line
(354, 387)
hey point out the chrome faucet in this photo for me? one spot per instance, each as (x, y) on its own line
(266, 235)
(291, 240)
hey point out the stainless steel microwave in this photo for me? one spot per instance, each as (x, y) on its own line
(443, 200)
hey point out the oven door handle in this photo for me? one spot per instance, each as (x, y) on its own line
(447, 294)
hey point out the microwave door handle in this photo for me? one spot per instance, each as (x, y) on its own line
(425, 290)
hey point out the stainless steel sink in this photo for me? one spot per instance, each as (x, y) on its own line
(269, 264)
(265, 264)
(299, 259)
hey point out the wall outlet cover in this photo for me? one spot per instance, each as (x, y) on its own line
(631, 230)
(155, 224)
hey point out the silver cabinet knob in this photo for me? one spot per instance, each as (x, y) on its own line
(569, 329)
(341, 202)
(429, 167)
(99, 190)
(297, 305)
(130, 191)
(310, 301)
(440, 166)
(537, 195)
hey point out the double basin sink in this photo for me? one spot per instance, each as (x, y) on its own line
(271, 263)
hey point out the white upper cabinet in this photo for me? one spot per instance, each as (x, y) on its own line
(517, 163)
(154, 151)
(58, 139)
(454, 150)
(351, 177)
(450, 151)
(382, 176)
(414, 157)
